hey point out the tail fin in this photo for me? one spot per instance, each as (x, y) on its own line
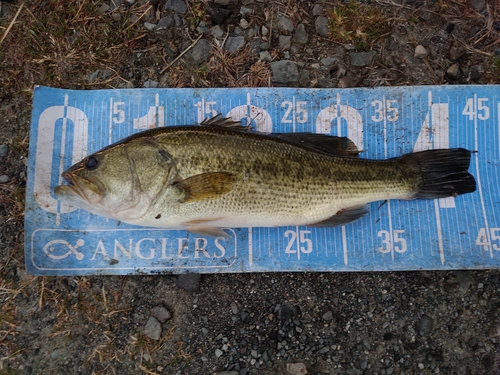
(443, 173)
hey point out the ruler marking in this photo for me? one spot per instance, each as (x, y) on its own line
(478, 177)
(250, 247)
(344, 246)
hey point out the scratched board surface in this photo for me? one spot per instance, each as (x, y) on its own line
(451, 233)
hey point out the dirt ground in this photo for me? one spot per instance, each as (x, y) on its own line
(325, 323)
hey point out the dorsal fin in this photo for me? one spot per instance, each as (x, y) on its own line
(225, 122)
(331, 144)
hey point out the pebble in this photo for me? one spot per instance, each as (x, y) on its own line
(217, 14)
(297, 368)
(4, 150)
(284, 24)
(317, 10)
(457, 52)
(305, 78)
(218, 353)
(454, 72)
(199, 54)
(245, 11)
(321, 23)
(425, 325)
(328, 315)
(149, 26)
(4, 179)
(478, 5)
(217, 32)
(228, 373)
(284, 41)
(152, 329)
(421, 52)
(265, 56)
(234, 308)
(165, 23)
(190, 282)
(301, 35)
(285, 71)
(328, 61)
(160, 313)
(234, 43)
(150, 84)
(178, 6)
(362, 58)
(103, 8)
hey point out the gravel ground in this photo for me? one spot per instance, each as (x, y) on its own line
(274, 323)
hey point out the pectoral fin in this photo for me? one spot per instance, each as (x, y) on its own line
(344, 216)
(206, 185)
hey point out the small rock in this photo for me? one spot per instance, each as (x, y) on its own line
(217, 32)
(321, 23)
(264, 31)
(475, 73)
(150, 84)
(217, 14)
(4, 179)
(245, 11)
(234, 43)
(328, 315)
(199, 53)
(284, 24)
(301, 35)
(93, 76)
(149, 26)
(228, 373)
(297, 368)
(478, 5)
(218, 353)
(190, 282)
(305, 78)
(362, 58)
(152, 329)
(420, 52)
(328, 61)
(234, 308)
(165, 23)
(178, 6)
(285, 71)
(457, 52)
(425, 325)
(103, 8)
(160, 313)
(284, 41)
(244, 24)
(265, 56)
(317, 10)
(454, 72)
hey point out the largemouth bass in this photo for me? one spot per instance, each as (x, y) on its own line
(216, 175)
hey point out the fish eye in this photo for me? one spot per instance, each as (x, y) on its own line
(91, 163)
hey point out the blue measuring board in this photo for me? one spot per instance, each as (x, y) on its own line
(451, 233)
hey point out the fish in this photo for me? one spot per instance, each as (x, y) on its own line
(220, 174)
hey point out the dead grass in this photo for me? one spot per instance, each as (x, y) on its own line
(61, 42)
(358, 23)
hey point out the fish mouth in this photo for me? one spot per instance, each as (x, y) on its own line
(79, 189)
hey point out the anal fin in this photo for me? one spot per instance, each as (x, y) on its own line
(344, 216)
